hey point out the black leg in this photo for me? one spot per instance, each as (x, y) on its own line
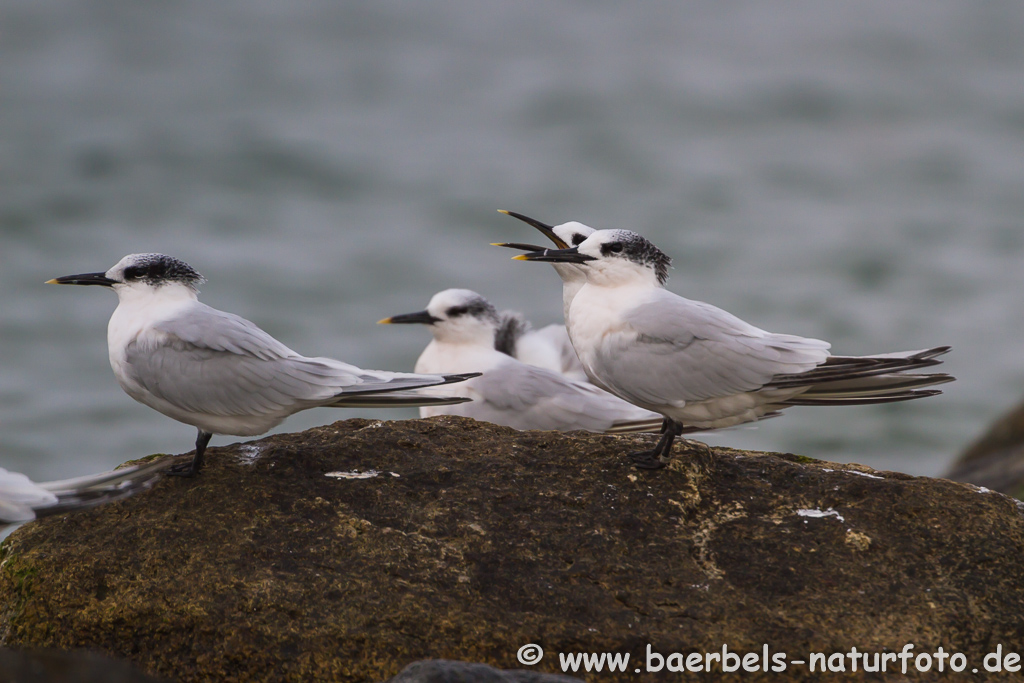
(193, 468)
(657, 458)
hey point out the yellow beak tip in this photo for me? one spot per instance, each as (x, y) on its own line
(503, 211)
(385, 321)
(497, 244)
(520, 257)
(51, 282)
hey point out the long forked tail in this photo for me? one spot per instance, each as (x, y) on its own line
(105, 487)
(404, 382)
(396, 399)
(402, 394)
(857, 380)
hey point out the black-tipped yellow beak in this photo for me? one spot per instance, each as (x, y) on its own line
(546, 229)
(555, 256)
(518, 245)
(422, 318)
(83, 279)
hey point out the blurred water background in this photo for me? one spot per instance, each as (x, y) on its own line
(846, 170)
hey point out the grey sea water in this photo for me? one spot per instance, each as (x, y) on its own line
(846, 170)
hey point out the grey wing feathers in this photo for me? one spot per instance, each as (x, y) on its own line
(106, 487)
(884, 378)
(852, 367)
(220, 364)
(691, 351)
(527, 397)
(22, 500)
(205, 327)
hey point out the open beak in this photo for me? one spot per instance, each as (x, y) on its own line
(83, 279)
(518, 245)
(555, 256)
(422, 318)
(543, 227)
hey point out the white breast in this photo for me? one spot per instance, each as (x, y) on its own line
(595, 313)
(138, 309)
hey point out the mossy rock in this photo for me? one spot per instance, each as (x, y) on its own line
(346, 552)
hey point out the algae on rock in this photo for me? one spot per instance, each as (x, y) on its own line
(346, 552)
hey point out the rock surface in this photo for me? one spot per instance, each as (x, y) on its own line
(996, 460)
(346, 552)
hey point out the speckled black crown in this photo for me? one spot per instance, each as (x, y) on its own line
(158, 269)
(477, 307)
(639, 249)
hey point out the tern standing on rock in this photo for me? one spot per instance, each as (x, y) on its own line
(698, 365)
(221, 373)
(509, 392)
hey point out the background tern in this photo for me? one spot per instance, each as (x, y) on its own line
(563, 236)
(548, 348)
(700, 366)
(509, 392)
(221, 373)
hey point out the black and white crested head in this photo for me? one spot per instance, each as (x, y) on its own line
(463, 316)
(453, 304)
(155, 270)
(459, 316)
(612, 245)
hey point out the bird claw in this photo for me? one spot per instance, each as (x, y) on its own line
(647, 460)
(184, 469)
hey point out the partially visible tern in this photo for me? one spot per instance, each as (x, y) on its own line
(509, 392)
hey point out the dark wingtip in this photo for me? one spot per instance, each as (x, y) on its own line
(932, 353)
(452, 379)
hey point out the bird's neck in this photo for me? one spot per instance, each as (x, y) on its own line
(466, 336)
(165, 295)
(627, 276)
(140, 307)
(596, 309)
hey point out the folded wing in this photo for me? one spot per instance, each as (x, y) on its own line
(216, 363)
(527, 397)
(673, 350)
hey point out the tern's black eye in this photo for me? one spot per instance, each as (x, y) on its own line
(613, 248)
(577, 238)
(133, 273)
(456, 311)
